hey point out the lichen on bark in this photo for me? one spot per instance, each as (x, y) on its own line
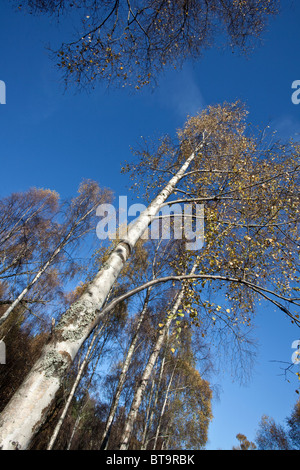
(72, 325)
(56, 363)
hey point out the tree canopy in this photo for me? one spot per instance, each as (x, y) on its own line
(274, 436)
(129, 42)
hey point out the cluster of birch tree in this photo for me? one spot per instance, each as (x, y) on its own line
(251, 197)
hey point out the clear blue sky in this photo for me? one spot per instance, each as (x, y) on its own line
(53, 140)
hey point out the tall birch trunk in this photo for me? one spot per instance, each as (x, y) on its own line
(28, 408)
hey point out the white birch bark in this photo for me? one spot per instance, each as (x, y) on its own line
(24, 222)
(27, 410)
(78, 419)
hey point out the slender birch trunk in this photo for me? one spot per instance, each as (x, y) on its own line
(140, 391)
(28, 408)
(146, 375)
(147, 427)
(165, 443)
(46, 265)
(126, 364)
(24, 222)
(148, 418)
(78, 419)
(162, 411)
(147, 372)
